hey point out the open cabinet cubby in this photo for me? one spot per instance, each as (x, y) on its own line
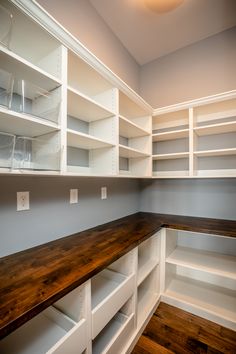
(200, 275)
(148, 257)
(28, 43)
(60, 329)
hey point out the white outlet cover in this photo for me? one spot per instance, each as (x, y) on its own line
(73, 196)
(22, 201)
(104, 193)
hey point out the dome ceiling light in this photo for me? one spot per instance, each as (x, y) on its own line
(162, 6)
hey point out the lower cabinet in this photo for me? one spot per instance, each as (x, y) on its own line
(103, 315)
(200, 275)
(106, 315)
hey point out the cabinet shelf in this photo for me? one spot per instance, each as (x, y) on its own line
(178, 155)
(210, 262)
(220, 128)
(119, 326)
(110, 290)
(130, 153)
(170, 135)
(85, 141)
(217, 152)
(129, 129)
(24, 124)
(49, 332)
(85, 108)
(219, 303)
(145, 269)
(23, 69)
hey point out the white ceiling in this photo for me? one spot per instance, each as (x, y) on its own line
(148, 36)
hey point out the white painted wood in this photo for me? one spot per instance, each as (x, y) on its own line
(114, 335)
(24, 124)
(129, 129)
(110, 291)
(170, 120)
(22, 69)
(130, 153)
(219, 128)
(210, 262)
(49, 332)
(170, 135)
(216, 152)
(148, 294)
(211, 302)
(84, 141)
(170, 174)
(177, 155)
(83, 107)
(125, 265)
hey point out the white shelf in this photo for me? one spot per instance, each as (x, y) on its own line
(146, 301)
(210, 262)
(85, 108)
(110, 290)
(130, 153)
(105, 341)
(170, 135)
(170, 174)
(85, 141)
(218, 303)
(129, 129)
(23, 69)
(173, 156)
(24, 124)
(217, 152)
(219, 128)
(146, 268)
(49, 332)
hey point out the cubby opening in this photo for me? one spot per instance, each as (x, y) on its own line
(30, 41)
(148, 257)
(171, 167)
(86, 80)
(100, 161)
(39, 153)
(200, 273)
(172, 122)
(134, 167)
(49, 332)
(115, 335)
(148, 295)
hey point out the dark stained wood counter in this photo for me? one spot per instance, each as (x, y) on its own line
(33, 279)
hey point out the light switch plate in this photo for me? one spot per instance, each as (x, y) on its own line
(22, 201)
(104, 193)
(74, 196)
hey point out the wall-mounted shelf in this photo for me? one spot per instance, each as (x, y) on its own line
(130, 153)
(85, 141)
(178, 155)
(129, 129)
(175, 134)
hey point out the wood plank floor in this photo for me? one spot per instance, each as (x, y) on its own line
(172, 330)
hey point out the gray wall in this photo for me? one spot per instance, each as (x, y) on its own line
(214, 198)
(201, 69)
(51, 216)
(81, 19)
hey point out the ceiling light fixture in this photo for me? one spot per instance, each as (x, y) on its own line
(161, 6)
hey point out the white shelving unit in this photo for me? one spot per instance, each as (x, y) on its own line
(134, 138)
(201, 276)
(210, 136)
(170, 136)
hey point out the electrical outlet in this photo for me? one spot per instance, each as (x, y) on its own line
(104, 193)
(22, 201)
(73, 196)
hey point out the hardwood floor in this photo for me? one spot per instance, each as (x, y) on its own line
(172, 330)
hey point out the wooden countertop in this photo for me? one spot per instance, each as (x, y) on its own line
(33, 279)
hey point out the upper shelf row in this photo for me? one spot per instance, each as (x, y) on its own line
(59, 115)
